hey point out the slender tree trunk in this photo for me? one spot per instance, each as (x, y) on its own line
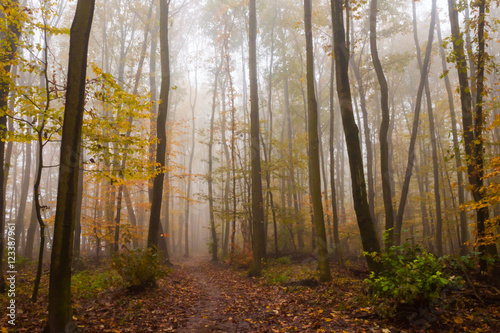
(384, 127)
(193, 142)
(78, 214)
(432, 132)
(60, 317)
(368, 143)
(314, 163)
(337, 251)
(24, 194)
(365, 221)
(259, 237)
(291, 155)
(161, 147)
(154, 101)
(213, 229)
(131, 214)
(411, 151)
(458, 161)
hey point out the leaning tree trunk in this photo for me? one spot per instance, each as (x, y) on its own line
(432, 132)
(365, 221)
(60, 317)
(259, 237)
(413, 139)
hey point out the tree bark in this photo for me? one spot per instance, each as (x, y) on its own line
(161, 146)
(314, 163)
(337, 251)
(384, 128)
(365, 221)
(259, 237)
(60, 318)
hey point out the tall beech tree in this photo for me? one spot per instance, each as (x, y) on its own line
(314, 166)
(384, 126)
(161, 135)
(259, 237)
(60, 314)
(365, 222)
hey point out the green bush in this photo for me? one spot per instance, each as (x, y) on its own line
(139, 268)
(284, 260)
(89, 284)
(410, 276)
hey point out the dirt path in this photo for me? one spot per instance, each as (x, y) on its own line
(207, 313)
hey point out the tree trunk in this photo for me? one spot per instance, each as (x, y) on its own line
(337, 251)
(411, 151)
(191, 156)
(213, 230)
(60, 317)
(259, 237)
(78, 214)
(456, 148)
(368, 142)
(13, 34)
(432, 132)
(365, 221)
(384, 128)
(472, 127)
(486, 246)
(314, 163)
(24, 194)
(161, 135)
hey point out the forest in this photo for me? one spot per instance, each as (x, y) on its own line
(250, 166)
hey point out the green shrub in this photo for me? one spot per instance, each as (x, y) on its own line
(89, 284)
(284, 260)
(139, 268)
(277, 276)
(410, 276)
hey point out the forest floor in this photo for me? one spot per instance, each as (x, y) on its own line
(201, 296)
